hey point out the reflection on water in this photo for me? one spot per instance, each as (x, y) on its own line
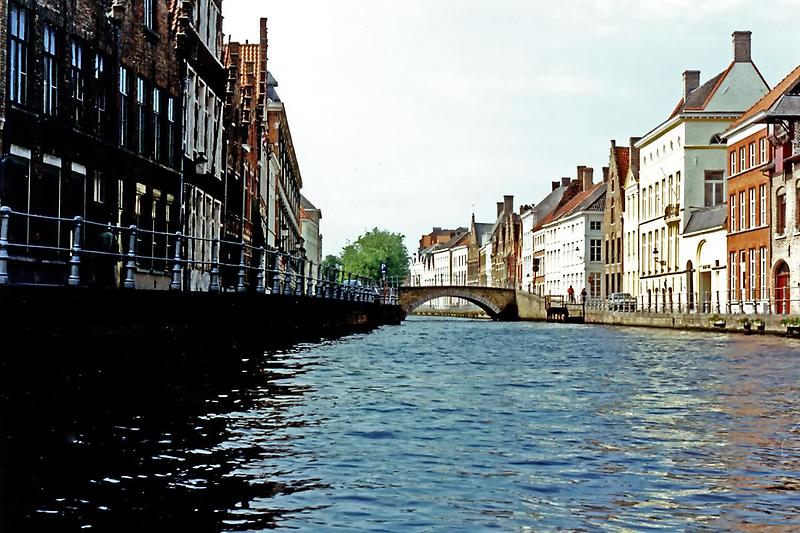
(432, 425)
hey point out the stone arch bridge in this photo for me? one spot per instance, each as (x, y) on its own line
(499, 304)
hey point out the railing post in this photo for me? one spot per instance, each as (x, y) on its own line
(310, 279)
(5, 215)
(262, 265)
(319, 285)
(299, 280)
(130, 265)
(177, 267)
(276, 279)
(241, 287)
(74, 278)
(213, 285)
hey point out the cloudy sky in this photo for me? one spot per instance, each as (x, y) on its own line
(415, 113)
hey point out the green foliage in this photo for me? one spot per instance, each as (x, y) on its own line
(331, 261)
(791, 321)
(364, 257)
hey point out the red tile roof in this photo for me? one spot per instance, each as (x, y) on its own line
(623, 155)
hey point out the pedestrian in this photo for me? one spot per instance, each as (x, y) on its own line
(571, 294)
(583, 296)
(106, 263)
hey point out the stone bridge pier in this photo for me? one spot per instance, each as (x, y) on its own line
(499, 304)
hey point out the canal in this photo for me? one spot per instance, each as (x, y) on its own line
(434, 425)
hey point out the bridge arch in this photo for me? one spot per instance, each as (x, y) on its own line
(499, 304)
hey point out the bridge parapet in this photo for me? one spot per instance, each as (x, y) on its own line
(498, 303)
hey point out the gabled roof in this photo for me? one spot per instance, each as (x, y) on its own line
(769, 99)
(581, 202)
(622, 155)
(272, 94)
(707, 218)
(699, 98)
(481, 229)
(305, 204)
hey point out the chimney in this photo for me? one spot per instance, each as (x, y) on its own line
(741, 46)
(605, 174)
(555, 184)
(499, 208)
(634, 155)
(691, 81)
(508, 203)
(565, 182)
(585, 175)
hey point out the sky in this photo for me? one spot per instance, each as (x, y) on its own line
(411, 114)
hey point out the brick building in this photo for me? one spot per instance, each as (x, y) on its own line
(92, 125)
(613, 228)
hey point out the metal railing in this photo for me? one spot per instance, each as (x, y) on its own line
(81, 253)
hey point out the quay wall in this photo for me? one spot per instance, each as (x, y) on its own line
(532, 307)
(189, 321)
(444, 312)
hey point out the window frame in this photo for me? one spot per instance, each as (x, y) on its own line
(18, 54)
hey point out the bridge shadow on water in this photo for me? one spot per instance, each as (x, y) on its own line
(122, 440)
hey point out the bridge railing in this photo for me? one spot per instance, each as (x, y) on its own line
(46, 250)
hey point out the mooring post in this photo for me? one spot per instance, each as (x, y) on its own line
(213, 285)
(262, 265)
(5, 215)
(130, 265)
(74, 278)
(177, 267)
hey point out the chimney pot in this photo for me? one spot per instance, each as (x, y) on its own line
(565, 182)
(499, 208)
(585, 175)
(691, 81)
(741, 46)
(554, 184)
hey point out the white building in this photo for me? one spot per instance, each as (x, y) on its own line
(681, 166)
(310, 218)
(630, 222)
(704, 246)
(573, 242)
(528, 221)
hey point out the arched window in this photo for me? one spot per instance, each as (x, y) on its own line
(780, 211)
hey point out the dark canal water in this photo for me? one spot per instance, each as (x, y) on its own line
(435, 425)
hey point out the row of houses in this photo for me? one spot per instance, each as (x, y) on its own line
(700, 213)
(138, 113)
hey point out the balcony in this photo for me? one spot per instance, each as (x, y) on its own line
(672, 214)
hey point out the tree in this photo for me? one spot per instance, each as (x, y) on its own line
(331, 263)
(365, 256)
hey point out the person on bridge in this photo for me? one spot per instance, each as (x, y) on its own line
(583, 296)
(571, 294)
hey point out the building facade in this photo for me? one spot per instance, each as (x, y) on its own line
(682, 165)
(613, 220)
(310, 218)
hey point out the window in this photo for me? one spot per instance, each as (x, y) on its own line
(76, 79)
(100, 88)
(141, 114)
(732, 218)
(171, 130)
(762, 145)
(714, 187)
(657, 203)
(742, 212)
(780, 212)
(595, 250)
(99, 188)
(18, 55)
(149, 14)
(732, 270)
(50, 71)
(752, 148)
(742, 160)
(595, 225)
(752, 207)
(156, 124)
(123, 106)
(742, 274)
(752, 273)
(762, 205)
(797, 205)
(733, 163)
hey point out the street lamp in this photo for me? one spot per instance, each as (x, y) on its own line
(655, 258)
(200, 164)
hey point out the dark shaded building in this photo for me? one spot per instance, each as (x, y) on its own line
(93, 122)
